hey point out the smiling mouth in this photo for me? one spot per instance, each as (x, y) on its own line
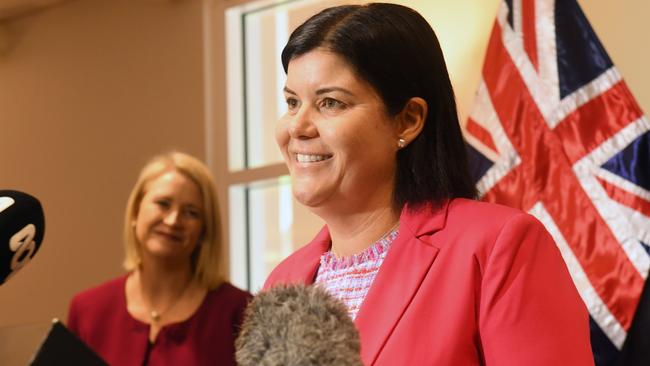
(172, 237)
(309, 158)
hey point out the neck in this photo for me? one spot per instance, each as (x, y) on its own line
(351, 234)
(162, 285)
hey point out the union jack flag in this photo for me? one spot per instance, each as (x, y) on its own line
(556, 132)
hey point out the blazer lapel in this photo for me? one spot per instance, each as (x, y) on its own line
(303, 264)
(398, 279)
(309, 261)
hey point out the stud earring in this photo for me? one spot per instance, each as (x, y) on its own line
(401, 143)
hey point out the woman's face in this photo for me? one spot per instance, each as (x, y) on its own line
(336, 138)
(169, 222)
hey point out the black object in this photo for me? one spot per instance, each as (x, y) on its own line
(636, 350)
(62, 347)
(22, 226)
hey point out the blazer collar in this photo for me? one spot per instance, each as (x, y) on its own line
(399, 277)
(390, 295)
(307, 260)
(425, 219)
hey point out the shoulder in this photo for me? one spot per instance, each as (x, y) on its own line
(491, 231)
(225, 303)
(102, 294)
(227, 291)
(493, 212)
(95, 306)
(228, 296)
(463, 219)
(473, 228)
(486, 219)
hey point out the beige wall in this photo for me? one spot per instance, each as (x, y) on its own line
(464, 26)
(88, 92)
(622, 27)
(91, 89)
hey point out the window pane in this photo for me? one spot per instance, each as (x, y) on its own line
(269, 228)
(256, 34)
(264, 33)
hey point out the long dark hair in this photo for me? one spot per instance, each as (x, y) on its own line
(395, 50)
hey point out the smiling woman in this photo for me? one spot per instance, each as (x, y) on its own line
(169, 221)
(373, 144)
(331, 163)
(172, 307)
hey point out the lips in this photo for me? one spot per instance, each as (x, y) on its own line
(311, 158)
(170, 236)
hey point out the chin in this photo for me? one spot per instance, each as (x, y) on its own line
(308, 197)
(163, 250)
(162, 253)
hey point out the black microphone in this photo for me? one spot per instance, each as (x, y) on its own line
(293, 325)
(22, 226)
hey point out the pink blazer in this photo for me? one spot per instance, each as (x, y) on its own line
(469, 283)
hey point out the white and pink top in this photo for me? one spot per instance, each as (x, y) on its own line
(349, 278)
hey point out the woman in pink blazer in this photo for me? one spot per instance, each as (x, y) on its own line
(374, 147)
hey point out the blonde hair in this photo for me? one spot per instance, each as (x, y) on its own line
(206, 259)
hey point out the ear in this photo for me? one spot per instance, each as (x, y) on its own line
(410, 120)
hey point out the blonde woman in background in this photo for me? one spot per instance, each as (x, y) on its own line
(172, 307)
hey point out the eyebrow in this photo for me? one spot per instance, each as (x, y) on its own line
(322, 90)
(170, 198)
(333, 89)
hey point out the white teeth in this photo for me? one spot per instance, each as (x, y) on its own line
(302, 158)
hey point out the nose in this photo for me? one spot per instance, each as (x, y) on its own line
(172, 218)
(302, 124)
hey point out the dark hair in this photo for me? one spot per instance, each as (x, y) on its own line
(395, 50)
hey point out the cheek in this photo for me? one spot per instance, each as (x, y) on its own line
(197, 230)
(281, 130)
(282, 135)
(345, 138)
(139, 229)
(142, 222)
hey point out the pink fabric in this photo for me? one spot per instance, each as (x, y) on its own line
(99, 317)
(349, 278)
(465, 284)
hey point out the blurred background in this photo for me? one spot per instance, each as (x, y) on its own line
(91, 89)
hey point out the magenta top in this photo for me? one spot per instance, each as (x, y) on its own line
(100, 318)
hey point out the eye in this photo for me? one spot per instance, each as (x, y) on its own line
(163, 203)
(192, 213)
(331, 103)
(292, 103)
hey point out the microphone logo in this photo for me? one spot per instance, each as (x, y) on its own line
(22, 225)
(6, 202)
(23, 245)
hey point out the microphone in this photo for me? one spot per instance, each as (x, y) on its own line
(295, 325)
(22, 226)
